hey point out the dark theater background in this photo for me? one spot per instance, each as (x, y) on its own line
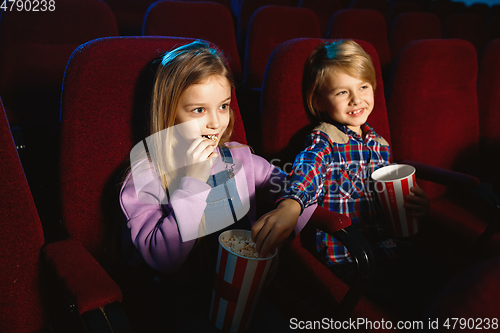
(75, 81)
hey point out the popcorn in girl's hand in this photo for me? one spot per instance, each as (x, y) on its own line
(238, 245)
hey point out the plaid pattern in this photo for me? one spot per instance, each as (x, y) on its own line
(338, 176)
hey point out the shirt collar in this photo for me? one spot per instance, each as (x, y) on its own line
(367, 129)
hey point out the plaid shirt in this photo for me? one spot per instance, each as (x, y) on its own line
(338, 176)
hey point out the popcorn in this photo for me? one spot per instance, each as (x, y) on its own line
(243, 247)
(211, 137)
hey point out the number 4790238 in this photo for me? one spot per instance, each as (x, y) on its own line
(28, 5)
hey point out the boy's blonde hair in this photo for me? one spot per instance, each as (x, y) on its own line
(344, 55)
(180, 68)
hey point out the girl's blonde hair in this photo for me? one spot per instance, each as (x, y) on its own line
(344, 55)
(180, 68)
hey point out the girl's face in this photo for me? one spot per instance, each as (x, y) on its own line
(205, 108)
(347, 100)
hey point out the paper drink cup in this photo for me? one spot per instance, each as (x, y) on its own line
(392, 184)
(237, 286)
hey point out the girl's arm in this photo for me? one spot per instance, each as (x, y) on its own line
(157, 229)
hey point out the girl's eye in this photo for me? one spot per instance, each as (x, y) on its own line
(224, 106)
(342, 92)
(198, 110)
(365, 87)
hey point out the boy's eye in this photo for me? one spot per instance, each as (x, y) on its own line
(343, 92)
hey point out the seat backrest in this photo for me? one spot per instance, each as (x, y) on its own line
(106, 89)
(488, 94)
(21, 240)
(379, 5)
(189, 19)
(36, 45)
(402, 6)
(244, 12)
(324, 9)
(465, 26)
(364, 24)
(269, 27)
(285, 120)
(432, 105)
(411, 26)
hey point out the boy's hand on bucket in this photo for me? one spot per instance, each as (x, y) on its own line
(275, 226)
(417, 205)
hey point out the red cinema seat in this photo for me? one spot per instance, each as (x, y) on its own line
(403, 6)
(243, 11)
(364, 24)
(106, 90)
(412, 26)
(129, 15)
(324, 9)
(269, 27)
(285, 124)
(465, 26)
(168, 18)
(34, 49)
(379, 5)
(433, 113)
(488, 94)
(42, 287)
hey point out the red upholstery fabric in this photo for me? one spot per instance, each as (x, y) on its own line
(403, 6)
(412, 26)
(432, 98)
(285, 119)
(20, 242)
(488, 93)
(93, 291)
(433, 114)
(28, 292)
(324, 9)
(365, 24)
(269, 27)
(243, 11)
(168, 18)
(104, 99)
(465, 26)
(380, 6)
(35, 47)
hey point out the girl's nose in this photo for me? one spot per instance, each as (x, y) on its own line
(213, 120)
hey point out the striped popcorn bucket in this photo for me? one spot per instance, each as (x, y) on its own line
(392, 184)
(237, 285)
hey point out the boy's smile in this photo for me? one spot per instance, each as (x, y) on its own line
(346, 100)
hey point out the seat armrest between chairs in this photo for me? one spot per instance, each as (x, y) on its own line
(338, 226)
(84, 278)
(443, 176)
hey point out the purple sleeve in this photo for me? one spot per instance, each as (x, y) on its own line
(156, 229)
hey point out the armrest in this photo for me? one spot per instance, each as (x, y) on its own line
(338, 225)
(443, 176)
(88, 283)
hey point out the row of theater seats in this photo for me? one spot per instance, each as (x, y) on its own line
(430, 116)
(102, 93)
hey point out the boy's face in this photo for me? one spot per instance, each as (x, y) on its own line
(345, 99)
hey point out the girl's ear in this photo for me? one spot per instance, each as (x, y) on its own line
(316, 104)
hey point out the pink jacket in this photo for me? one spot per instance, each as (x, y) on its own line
(153, 227)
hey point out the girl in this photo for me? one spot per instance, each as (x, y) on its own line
(192, 178)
